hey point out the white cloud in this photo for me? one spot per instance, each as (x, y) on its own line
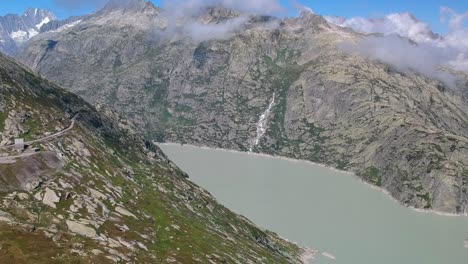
(455, 20)
(403, 24)
(201, 32)
(405, 55)
(300, 7)
(182, 16)
(457, 37)
(426, 54)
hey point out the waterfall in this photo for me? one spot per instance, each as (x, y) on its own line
(262, 124)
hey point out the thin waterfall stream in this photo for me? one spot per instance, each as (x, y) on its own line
(262, 124)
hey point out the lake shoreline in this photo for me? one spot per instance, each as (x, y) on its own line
(387, 193)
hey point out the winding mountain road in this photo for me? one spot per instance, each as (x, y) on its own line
(56, 135)
(11, 159)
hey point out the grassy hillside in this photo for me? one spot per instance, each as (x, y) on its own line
(100, 193)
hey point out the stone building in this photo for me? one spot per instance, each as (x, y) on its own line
(19, 144)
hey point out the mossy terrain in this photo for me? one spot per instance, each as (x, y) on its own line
(19, 245)
(282, 72)
(3, 117)
(373, 176)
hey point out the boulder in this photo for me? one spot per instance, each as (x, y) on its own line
(81, 229)
(125, 212)
(50, 198)
(22, 196)
(5, 217)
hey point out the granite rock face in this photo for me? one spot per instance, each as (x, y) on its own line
(277, 86)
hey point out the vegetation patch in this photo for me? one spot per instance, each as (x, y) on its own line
(342, 164)
(183, 108)
(282, 71)
(3, 117)
(34, 125)
(373, 176)
(427, 198)
(21, 246)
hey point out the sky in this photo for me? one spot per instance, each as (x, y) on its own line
(425, 10)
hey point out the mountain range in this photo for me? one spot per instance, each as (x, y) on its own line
(90, 185)
(281, 86)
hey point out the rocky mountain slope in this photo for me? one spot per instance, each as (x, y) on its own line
(88, 189)
(276, 86)
(15, 30)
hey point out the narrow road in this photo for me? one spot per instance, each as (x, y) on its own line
(56, 135)
(12, 159)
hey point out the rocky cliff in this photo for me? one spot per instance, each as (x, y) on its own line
(277, 86)
(89, 189)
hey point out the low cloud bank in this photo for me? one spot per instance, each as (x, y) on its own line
(403, 24)
(182, 17)
(201, 32)
(409, 44)
(406, 55)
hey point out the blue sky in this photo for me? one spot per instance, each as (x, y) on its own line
(425, 10)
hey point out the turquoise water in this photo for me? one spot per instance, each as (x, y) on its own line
(324, 209)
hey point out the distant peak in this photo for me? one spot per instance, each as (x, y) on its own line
(35, 12)
(31, 10)
(128, 5)
(305, 11)
(219, 13)
(308, 17)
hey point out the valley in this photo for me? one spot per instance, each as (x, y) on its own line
(279, 86)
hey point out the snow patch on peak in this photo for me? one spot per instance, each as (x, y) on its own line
(19, 36)
(66, 26)
(43, 22)
(32, 32)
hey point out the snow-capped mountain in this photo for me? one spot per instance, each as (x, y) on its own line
(15, 30)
